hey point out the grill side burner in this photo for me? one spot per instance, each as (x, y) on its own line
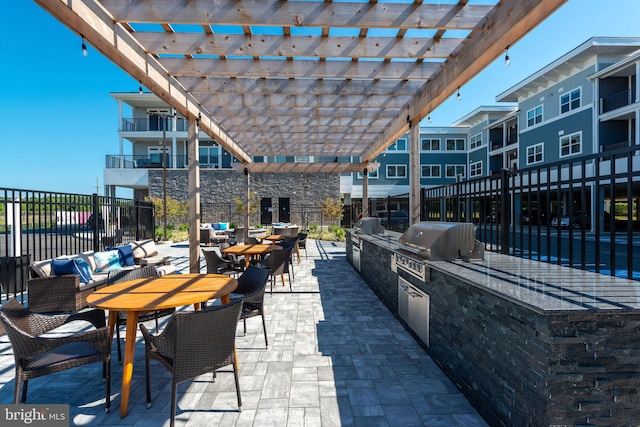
(440, 241)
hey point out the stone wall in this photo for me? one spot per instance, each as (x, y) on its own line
(221, 186)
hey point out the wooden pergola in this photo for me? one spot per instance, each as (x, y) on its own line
(302, 78)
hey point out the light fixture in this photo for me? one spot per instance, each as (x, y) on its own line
(84, 48)
(458, 96)
(429, 117)
(507, 60)
(140, 87)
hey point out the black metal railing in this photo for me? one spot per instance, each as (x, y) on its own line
(582, 213)
(618, 100)
(173, 161)
(154, 123)
(38, 225)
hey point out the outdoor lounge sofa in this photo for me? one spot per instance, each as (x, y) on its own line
(63, 284)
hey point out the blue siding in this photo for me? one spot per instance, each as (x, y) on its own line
(550, 136)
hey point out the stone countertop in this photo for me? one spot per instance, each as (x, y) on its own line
(539, 285)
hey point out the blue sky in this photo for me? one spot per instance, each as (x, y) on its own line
(60, 121)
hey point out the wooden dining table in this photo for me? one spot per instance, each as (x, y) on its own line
(150, 294)
(250, 251)
(273, 238)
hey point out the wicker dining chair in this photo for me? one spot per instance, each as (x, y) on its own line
(37, 355)
(302, 243)
(251, 286)
(119, 276)
(194, 343)
(216, 264)
(278, 264)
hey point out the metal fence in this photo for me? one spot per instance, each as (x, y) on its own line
(582, 212)
(38, 225)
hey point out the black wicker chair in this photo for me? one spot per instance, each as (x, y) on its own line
(36, 355)
(120, 276)
(251, 286)
(302, 242)
(278, 264)
(194, 343)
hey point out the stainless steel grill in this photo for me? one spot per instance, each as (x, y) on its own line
(439, 241)
(368, 225)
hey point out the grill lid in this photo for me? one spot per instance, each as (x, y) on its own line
(438, 241)
(368, 225)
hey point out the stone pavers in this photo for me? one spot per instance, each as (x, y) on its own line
(336, 357)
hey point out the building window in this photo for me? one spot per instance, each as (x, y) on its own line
(209, 156)
(399, 145)
(535, 154)
(430, 171)
(453, 171)
(475, 141)
(534, 116)
(571, 144)
(396, 171)
(455, 144)
(570, 101)
(430, 144)
(475, 169)
(372, 175)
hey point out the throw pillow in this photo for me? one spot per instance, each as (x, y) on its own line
(72, 266)
(125, 253)
(107, 261)
(223, 226)
(216, 226)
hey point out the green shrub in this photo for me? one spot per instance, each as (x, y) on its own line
(313, 228)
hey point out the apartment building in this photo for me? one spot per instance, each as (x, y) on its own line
(585, 102)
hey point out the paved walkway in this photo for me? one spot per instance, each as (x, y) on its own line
(337, 357)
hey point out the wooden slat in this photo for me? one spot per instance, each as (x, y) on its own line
(281, 46)
(243, 68)
(296, 101)
(308, 14)
(268, 85)
(221, 112)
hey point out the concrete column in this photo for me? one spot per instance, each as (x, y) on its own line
(414, 174)
(194, 196)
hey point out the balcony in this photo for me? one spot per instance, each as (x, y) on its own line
(146, 161)
(618, 100)
(153, 124)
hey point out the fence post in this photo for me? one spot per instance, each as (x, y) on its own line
(96, 223)
(136, 214)
(505, 212)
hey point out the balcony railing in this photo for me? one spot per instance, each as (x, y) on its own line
(153, 123)
(618, 100)
(617, 146)
(145, 161)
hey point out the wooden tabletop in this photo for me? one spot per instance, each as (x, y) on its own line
(274, 237)
(256, 249)
(156, 293)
